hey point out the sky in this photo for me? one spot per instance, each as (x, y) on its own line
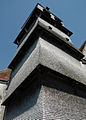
(13, 14)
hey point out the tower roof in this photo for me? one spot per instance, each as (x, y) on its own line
(45, 29)
(45, 14)
(43, 43)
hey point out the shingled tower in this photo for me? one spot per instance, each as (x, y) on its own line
(48, 80)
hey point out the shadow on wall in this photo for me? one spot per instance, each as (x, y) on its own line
(22, 101)
(28, 97)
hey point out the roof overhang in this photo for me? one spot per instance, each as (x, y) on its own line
(39, 29)
(38, 75)
(50, 56)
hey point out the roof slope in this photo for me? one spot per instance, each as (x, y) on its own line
(5, 74)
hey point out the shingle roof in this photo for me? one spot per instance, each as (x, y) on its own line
(5, 74)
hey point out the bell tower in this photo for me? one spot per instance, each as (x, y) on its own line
(48, 80)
